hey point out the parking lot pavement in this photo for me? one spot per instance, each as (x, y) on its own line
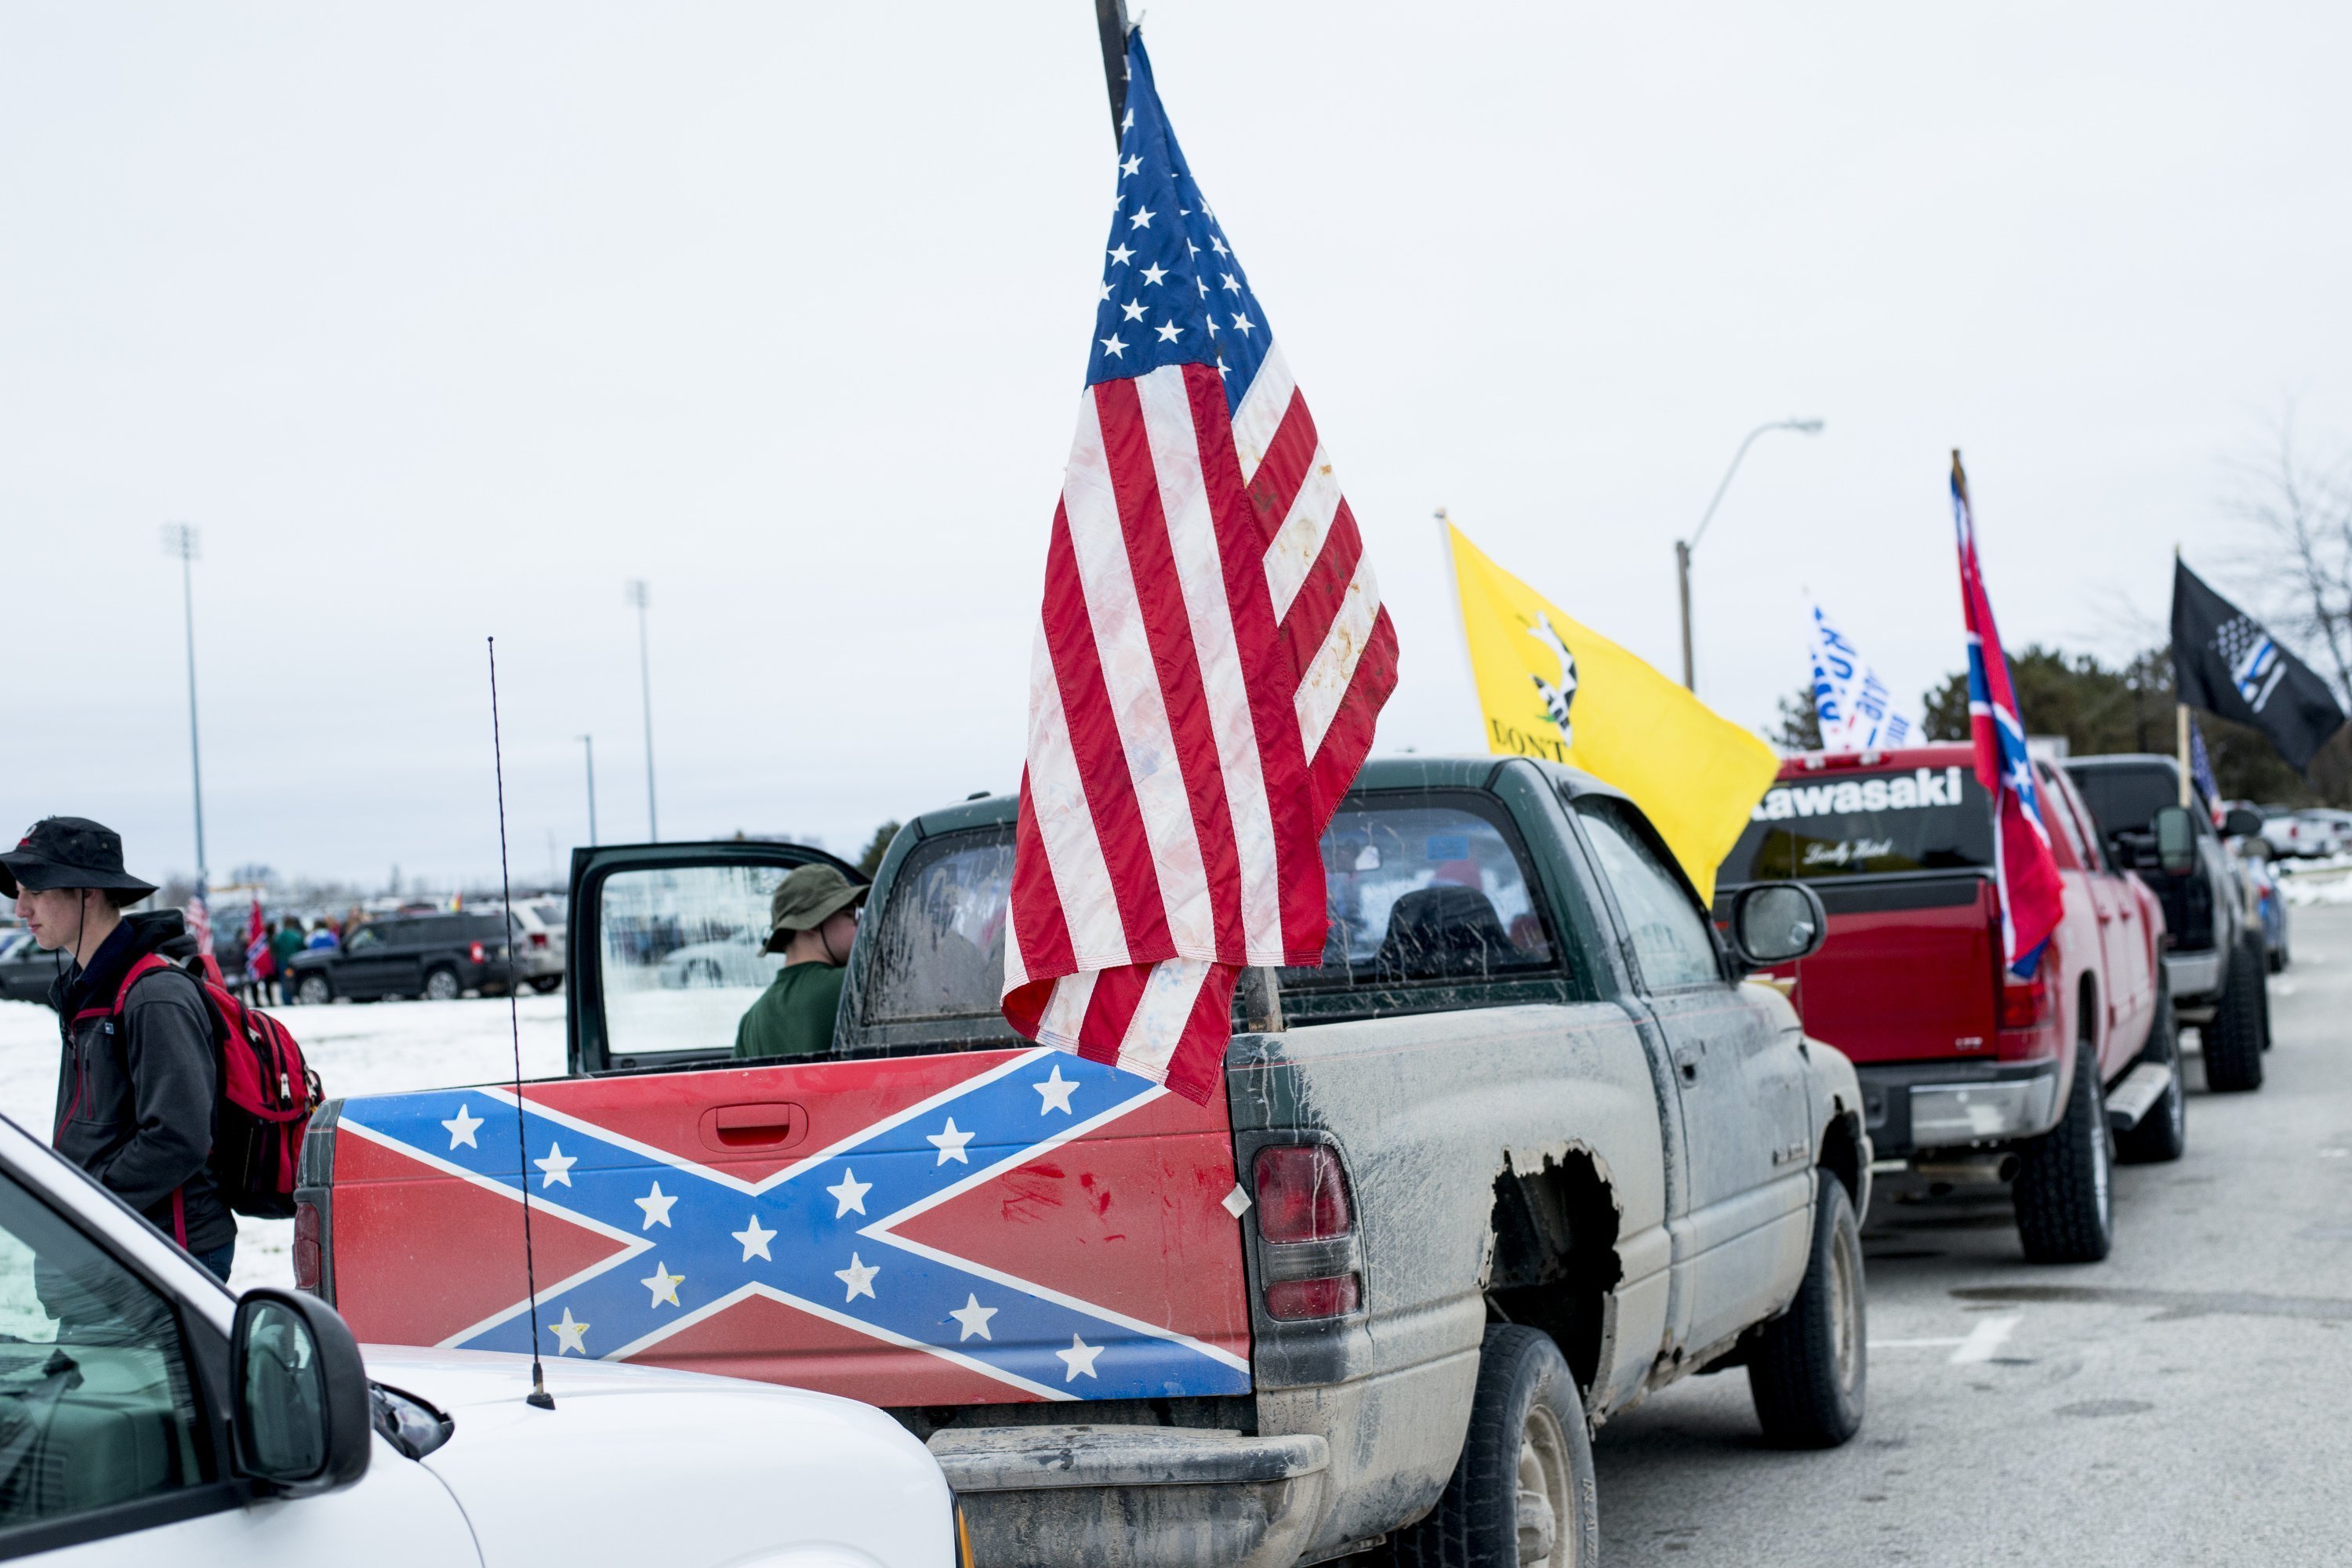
(2183, 1402)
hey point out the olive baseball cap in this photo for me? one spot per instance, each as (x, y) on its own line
(70, 852)
(806, 899)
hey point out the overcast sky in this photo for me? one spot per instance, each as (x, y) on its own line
(444, 320)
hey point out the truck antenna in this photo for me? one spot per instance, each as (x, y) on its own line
(539, 1398)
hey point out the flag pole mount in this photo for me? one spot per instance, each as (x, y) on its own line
(1110, 21)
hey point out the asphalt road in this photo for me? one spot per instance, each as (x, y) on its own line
(2187, 1401)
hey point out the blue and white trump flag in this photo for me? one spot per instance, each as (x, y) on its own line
(1856, 708)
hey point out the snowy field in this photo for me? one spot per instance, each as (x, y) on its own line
(358, 1048)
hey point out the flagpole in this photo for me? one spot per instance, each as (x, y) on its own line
(2180, 729)
(1110, 20)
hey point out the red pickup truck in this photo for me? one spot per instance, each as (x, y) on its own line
(1966, 1071)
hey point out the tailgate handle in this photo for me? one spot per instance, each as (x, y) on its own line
(776, 1125)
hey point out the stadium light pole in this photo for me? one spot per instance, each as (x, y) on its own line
(641, 598)
(588, 744)
(182, 540)
(1682, 547)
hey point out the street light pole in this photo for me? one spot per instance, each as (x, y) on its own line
(181, 539)
(639, 598)
(1683, 548)
(588, 744)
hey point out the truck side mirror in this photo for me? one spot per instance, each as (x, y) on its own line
(301, 1419)
(2176, 840)
(1777, 923)
(2241, 824)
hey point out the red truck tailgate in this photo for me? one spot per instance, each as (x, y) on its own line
(1908, 970)
(944, 1230)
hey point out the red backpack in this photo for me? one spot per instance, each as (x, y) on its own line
(266, 1096)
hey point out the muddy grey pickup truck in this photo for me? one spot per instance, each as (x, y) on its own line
(1525, 1147)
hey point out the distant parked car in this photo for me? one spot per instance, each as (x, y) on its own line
(538, 942)
(734, 962)
(2303, 835)
(2334, 828)
(24, 970)
(2270, 903)
(438, 957)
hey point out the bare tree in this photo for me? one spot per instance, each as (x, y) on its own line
(2302, 511)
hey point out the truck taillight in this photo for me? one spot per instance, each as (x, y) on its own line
(2025, 1004)
(306, 1246)
(1333, 1295)
(1302, 1195)
(477, 953)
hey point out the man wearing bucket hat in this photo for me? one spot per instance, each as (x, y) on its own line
(811, 920)
(137, 1084)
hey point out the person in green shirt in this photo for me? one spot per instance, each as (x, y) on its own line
(284, 943)
(812, 918)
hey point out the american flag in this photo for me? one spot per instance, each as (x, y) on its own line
(1210, 659)
(2024, 866)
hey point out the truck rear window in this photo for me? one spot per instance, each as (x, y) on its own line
(1923, 819)
(2125, 799)
(1416, 892)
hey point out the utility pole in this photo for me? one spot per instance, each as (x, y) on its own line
(181, 539)
(588, 743)
(640, 598)
(1110, 20)
(1683, 548)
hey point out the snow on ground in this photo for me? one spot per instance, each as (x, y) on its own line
(374, 1047)
(2328, 885)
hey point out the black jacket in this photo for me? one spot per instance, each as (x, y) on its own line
(136, 1097)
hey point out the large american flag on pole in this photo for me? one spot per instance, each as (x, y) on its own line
(2023, 869)
(1210, 661)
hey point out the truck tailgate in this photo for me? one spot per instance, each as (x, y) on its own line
(1908, 970)
(944, 1230)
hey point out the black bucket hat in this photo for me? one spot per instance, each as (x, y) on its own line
(70, 852)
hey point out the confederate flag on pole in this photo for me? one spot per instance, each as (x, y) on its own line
(2023, 869)
(1210, 659)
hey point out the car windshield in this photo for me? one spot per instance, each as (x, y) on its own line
(1865, 824)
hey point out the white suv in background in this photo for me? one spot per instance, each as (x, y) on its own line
(539, 930)
(147, 1418)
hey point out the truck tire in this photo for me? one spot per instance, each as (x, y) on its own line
(315, 991)
(2234, 1040)
(1521, 1496)
(441, 985)
(2064, 1191)
(2163, 1132)
(1809, 1368)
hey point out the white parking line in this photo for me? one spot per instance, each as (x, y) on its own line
(1978, 1345)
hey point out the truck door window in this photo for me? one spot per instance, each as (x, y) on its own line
(939, 950)
(96, 1403)
(1670, 934)
(1424, 892)
(681, 955)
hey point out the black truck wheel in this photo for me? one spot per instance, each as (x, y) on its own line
(441, 985)
(1521, 1496)
(1809, 1367)
(2163, 1132)
(2234, 1040)
(2064, 1192)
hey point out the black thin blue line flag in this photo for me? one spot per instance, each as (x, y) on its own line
(2226, 663)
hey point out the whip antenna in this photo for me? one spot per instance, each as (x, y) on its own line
(539, 1395)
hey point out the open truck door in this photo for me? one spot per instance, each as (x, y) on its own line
(937, 1215)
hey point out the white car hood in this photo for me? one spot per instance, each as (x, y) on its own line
(639, 1464)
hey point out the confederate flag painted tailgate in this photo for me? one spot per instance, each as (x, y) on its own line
(950, 1229)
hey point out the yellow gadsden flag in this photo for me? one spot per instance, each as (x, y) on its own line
(1552, 687)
